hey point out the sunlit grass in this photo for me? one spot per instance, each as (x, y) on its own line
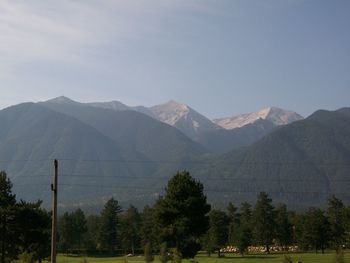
(202, 258)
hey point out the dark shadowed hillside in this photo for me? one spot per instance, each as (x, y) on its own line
(31, 136)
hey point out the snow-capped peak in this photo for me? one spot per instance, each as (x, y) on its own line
(181, 116)
(170, 112)
(275, 115)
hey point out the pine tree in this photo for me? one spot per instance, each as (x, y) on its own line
(243, 236)
(150, 230)
(264, 221)
(233, 216)
(316, 229)
(108, 225)
(218, 229)
(182, 213)
(130, 234)
(283, 226)
(7, 203)
(336, 218)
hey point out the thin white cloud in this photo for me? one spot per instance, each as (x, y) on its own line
(45, 44)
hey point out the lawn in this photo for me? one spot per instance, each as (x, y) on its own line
(229, 258)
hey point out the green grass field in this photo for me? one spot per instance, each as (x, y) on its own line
(229, 258)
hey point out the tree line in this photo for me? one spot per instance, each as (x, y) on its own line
(24, 227)
(182, 219)
(180, 223)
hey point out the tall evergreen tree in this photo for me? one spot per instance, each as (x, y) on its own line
(284, 230)
(336, 218)
(7, 203)
(264, 221)
(80, 228)
(316, 229)
(182, 213)
(218, 230)
(243, 233)
(92, 233)
(246, 214)
(150, 230)
(233, 216)
(65, 230)
(72, 227)
(130, 233)
(33, 228)
(108, 225)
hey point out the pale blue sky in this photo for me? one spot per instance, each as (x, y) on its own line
(222, 57)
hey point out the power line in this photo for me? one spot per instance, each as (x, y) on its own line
(183, 162)
(149, 177)
(211, 190)
(25, 160)
(206, 189)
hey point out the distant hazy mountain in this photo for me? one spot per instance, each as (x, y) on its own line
(222, 140)
(105, 152)
(118, 106)
(275, 115)
(32, 135)
(101, 152)
(178, 115)
(132, 130)
(301, 164)
(219, 135)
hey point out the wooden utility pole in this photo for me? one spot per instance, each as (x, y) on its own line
(54, 214)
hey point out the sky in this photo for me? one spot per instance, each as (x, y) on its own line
(221, 57)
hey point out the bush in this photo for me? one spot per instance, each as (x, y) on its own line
(163, 253)
(26, 257)
(287, 259)
(148, 253)
(176, 256)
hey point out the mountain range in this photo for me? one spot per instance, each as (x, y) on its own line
(218, 135)
(111, 149)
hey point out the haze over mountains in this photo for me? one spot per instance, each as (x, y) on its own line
(109, 148)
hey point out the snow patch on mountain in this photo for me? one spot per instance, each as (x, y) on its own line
(275, 115)
(170, 112)
(186, 119)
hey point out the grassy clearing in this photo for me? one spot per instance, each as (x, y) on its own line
(229, 258)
